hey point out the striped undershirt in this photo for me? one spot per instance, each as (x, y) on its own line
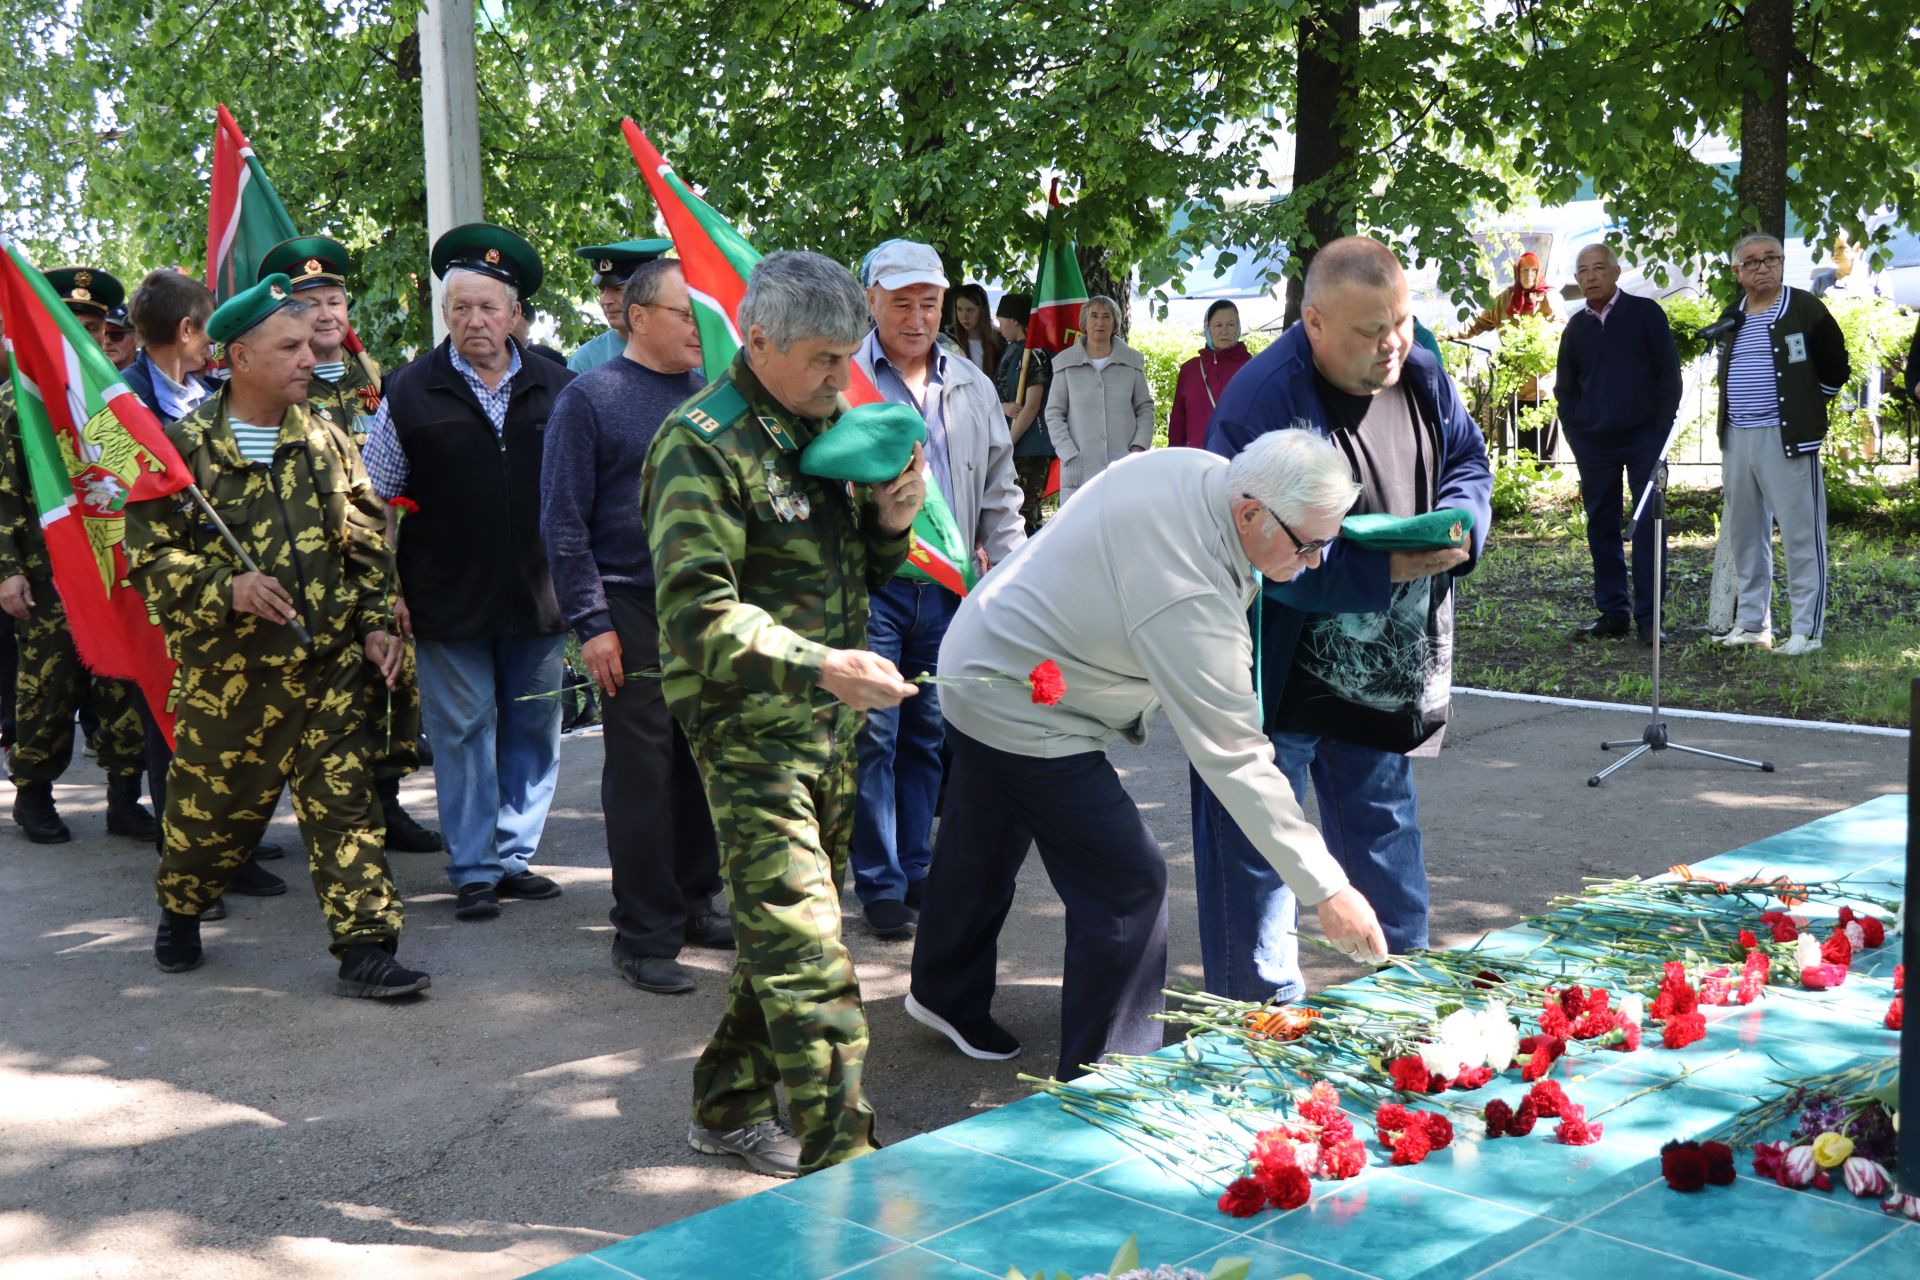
(332, 371)
(1753, 389)
(256, 443)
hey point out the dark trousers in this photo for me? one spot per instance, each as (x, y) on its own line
(1104, 864)
(659, 832)
(159, 760)
(1601, 462)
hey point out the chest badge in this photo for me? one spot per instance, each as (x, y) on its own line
(788, 501)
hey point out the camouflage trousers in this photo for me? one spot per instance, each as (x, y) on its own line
(783, 816)
(393, 720)
(1032, 474)
(239, 736)
(48, 690)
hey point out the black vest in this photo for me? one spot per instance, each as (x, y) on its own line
(472, 563)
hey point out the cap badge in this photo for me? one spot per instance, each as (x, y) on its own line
(491, 257)
(314, 267)
(605, 264)
(83, 277)
(275, 292)
(81, 295)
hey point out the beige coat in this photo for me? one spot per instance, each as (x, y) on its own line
(1095, 416)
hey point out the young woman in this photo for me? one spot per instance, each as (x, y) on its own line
(973, 331)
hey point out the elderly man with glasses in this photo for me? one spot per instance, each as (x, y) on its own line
(1780, 363)
(1138, 593)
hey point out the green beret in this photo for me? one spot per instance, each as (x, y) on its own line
(308, 262)
(491, 251)
(614, 263)
(246, 310)
(87, 289)
(870, 444)
(1446, 527)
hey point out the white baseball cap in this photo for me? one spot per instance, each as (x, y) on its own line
(899, 263)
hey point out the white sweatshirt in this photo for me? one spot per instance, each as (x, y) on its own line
(1139, 590)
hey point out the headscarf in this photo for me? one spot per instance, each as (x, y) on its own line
(1522, 301)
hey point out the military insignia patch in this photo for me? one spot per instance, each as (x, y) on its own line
(314, 267)
(788, 502)
(81, 295)
(605, 264)
(83, 277)
(777, 433)
(492, 257)
(275, 292)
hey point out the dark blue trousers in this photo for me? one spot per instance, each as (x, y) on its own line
(1601, 461)
(1105, 865)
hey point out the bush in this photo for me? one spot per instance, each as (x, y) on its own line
(1517, 482)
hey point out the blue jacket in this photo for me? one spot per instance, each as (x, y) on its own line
(1618, 381)
(1275, 391)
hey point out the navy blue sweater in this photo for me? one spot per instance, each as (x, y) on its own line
(1621, 378)
(597, 439)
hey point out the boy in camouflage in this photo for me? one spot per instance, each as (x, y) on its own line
(762, 576)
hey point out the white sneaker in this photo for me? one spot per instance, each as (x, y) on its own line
(1739, 639)
(1797, 645)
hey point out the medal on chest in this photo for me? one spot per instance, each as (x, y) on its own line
(789, 502)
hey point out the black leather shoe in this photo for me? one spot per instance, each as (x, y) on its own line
(1644, 630)
(477, 901)
(368, 972)
(126, 816)
(254, 881)
(525, 884)
(33, 810)
(658, 974)
(713, 930)
(404, 835)
(267, 851)
(1605, 627)
(890, 918)
(176, 945)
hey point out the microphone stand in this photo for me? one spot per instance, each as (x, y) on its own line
(1653, 505)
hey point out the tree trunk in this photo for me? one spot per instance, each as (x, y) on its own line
(1767, 32)
(1323, 84)
(1098, 269)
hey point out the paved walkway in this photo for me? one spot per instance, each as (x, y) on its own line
(240, 1121)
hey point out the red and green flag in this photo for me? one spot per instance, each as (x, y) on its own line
(716, 261)
(244, 215)
(91, 447)
(1059, 290)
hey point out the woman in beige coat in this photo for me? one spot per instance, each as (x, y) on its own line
(1099, 408)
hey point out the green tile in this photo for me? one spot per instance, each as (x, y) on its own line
(1397, 1227)
(766, 1236)
(1751, 1228)
(1075, 1229)
(584, 1267)
(1584, 1253)
(1897, 1255)
(914, 1264)
(1271, 1262)
(1035, 1131)
(919, 1187)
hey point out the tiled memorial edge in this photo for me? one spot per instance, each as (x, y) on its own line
(1028, 1186)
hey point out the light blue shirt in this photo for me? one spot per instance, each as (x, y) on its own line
(599, 351)
(387, 461)
(893, 388)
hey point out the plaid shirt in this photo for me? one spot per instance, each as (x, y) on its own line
(387, 462)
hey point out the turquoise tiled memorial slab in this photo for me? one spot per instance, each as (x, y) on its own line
(1028, 1185)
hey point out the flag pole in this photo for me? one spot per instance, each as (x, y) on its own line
(245, 559)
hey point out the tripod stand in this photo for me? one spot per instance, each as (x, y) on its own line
(1653, 506)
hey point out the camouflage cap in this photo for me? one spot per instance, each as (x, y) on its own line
(246, 310)
(869, 444)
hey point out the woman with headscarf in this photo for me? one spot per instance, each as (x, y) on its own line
(1204, 377)
(1527, 296)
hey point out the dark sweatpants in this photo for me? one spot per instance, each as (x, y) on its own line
(1104, 864)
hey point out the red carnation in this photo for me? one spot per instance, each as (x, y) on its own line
(1574, 1001)
(1439, 1129)
(1876, 933)
(1837, 950)
(1473, 1077)
(1409, 1075)
(1338, 1129)
(1048, 685)
(1847, 917)
(1548, 1098)
(1273, 1149)
(1524, 1118)
(1899, 976)
(1574, 1129)
(1412, 1146)
(404, 505)
(1896, 1015)
(1784, 930)
(1597, 1021)
(1683, 1029)
(1684, 1166)
(1754, 976)
(1823, 977)
(1720, 1170)
(1321, 1105)
(1342, 1159)
(1554, 1020)
(1499, 1117)
(1769, 1158)
(1391, 1118)
(1713, 989)
(1243, 1198)
(1747, 941)
(1287, 1188)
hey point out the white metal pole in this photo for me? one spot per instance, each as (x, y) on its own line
(450, 120)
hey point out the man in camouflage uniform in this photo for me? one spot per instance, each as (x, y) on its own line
(345, 390)
(51, 684)
(762, 577)
(272, 660)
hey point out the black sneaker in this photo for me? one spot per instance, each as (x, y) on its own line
(33, 810)
(477, 901)
(367, 972)
(525, 884)
(981, 1038)
(254, 881)
(176, 944)
(658, 974)
(267, 851)
(404, 835)
(711, 930)
(890, 918)
(126, 816)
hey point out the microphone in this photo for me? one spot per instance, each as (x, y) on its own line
(1718, 329)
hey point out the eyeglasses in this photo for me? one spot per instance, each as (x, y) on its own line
(1300, 549)
(685, 313)
(1754, 264)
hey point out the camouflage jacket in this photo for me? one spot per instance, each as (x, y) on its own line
(23, 549)
(292, 517)
(759, 570)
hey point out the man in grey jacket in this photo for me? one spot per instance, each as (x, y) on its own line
(1138, 592)
(969, 457)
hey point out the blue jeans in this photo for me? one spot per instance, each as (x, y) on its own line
(1247, 913)
(495, 759)
(899, 749)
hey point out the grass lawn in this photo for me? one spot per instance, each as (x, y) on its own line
(1516, 613)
